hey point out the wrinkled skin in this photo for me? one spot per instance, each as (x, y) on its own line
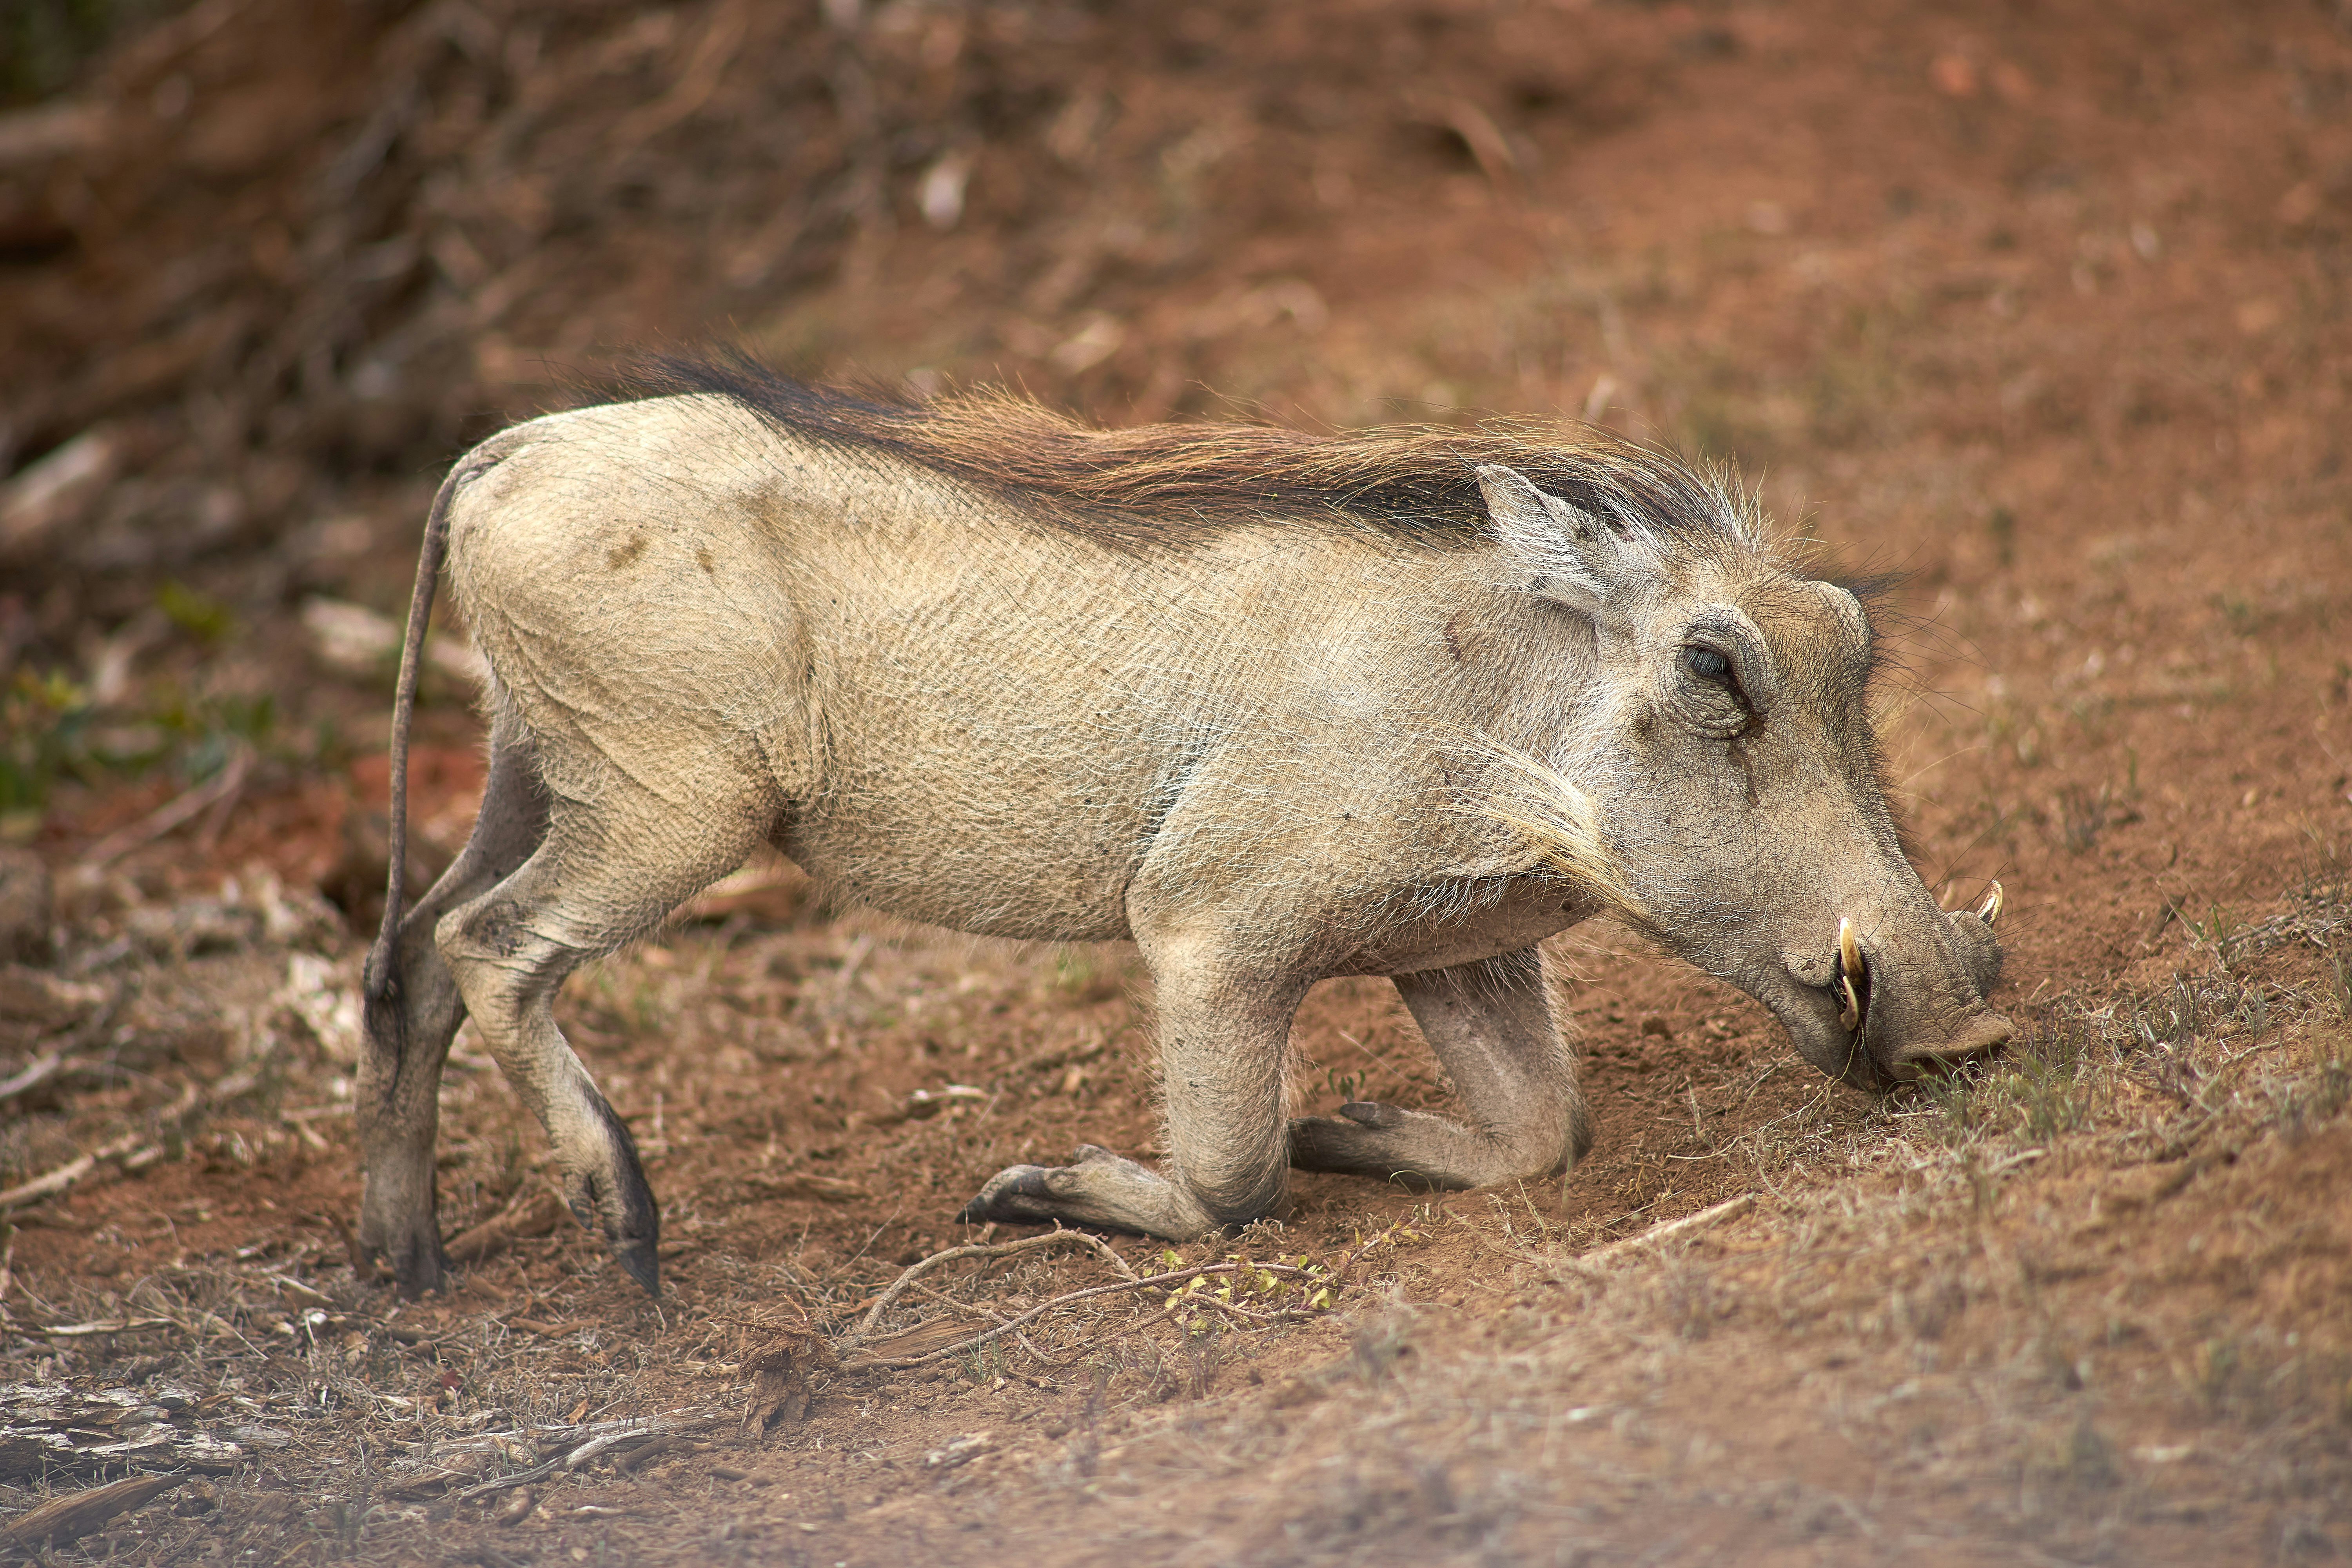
(1272, 756)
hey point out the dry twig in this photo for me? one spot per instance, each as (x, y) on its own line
(899, 1287)
(33, 1076)
(630, 1433)
(128, 1146)
(66, 1519)
(535, 1211)
(1672, 1230)
(1068, 1298)
(134, 1150)
(223, 786)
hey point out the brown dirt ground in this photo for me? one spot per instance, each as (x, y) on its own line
(2045, 312)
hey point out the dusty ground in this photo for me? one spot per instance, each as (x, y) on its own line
(2046, 314)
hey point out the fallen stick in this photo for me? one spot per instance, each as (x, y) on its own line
(65, 1518)
(97, 1326)
(596, 1445)
(1166, 1313)
(1148, 1281)
(33, 1075)
(58, 1064)
(135, 1150)
(573, 1459)
(223, 785)
(899, 1287)
(969, 1309)
(638, 1459)
(72, 1171)
(520, 1478)
(534, 1212)
(1176, 1302)
(1673, 1230)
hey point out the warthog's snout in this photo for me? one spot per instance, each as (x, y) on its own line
(1979, 1035)
(1908, 1002)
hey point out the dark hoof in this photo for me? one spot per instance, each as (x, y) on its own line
(616, 1201)
(1372, 1113)
(420, 1268)
(644, 1264)
(999, 1201)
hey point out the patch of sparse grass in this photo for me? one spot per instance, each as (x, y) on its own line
(1721, 411)
(52, 729)
(2339, 985)
(2084, 814)
(1688, 1299)
(2001, 527)
(2051, 1080)
(2323, 872)
(197, 613)
(2243, 617)
(2044, 1084)
(1927, 1309)
(2078, 1457)
(44, 722)
(1845, 395)
(1852, 386)
(2302, 1102)
(2208, 1370)
(1342, 1086)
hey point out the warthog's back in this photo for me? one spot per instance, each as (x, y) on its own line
(969, 715)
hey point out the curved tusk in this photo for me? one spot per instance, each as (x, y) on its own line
(1990, 910)
(1849, 965)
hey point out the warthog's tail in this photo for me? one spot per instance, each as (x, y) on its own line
(382, 976)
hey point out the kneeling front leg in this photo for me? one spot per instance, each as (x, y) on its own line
(1491, 1026)
(1222, 1041)
(1099, 1189)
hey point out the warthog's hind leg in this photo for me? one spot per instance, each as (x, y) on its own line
(1491, 1025)
(412, 1012)
(1222, 1043)
(606, 874)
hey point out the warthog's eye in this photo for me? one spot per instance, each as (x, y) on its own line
(1707, 665)
(1722, 707)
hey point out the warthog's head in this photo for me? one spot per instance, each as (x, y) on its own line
(1722, 785)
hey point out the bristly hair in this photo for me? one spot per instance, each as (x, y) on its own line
(1173, 484)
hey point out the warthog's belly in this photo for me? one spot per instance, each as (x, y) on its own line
(1515, 921)
(970, 882)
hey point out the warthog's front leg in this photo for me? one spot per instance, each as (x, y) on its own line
(1492, 1027)
(1223, 1037)
(413, 1011)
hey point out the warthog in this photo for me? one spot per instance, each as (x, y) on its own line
(1272, 707)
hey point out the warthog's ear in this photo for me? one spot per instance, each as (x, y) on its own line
(1573, 556)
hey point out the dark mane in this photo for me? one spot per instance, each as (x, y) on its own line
(1166, 484)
